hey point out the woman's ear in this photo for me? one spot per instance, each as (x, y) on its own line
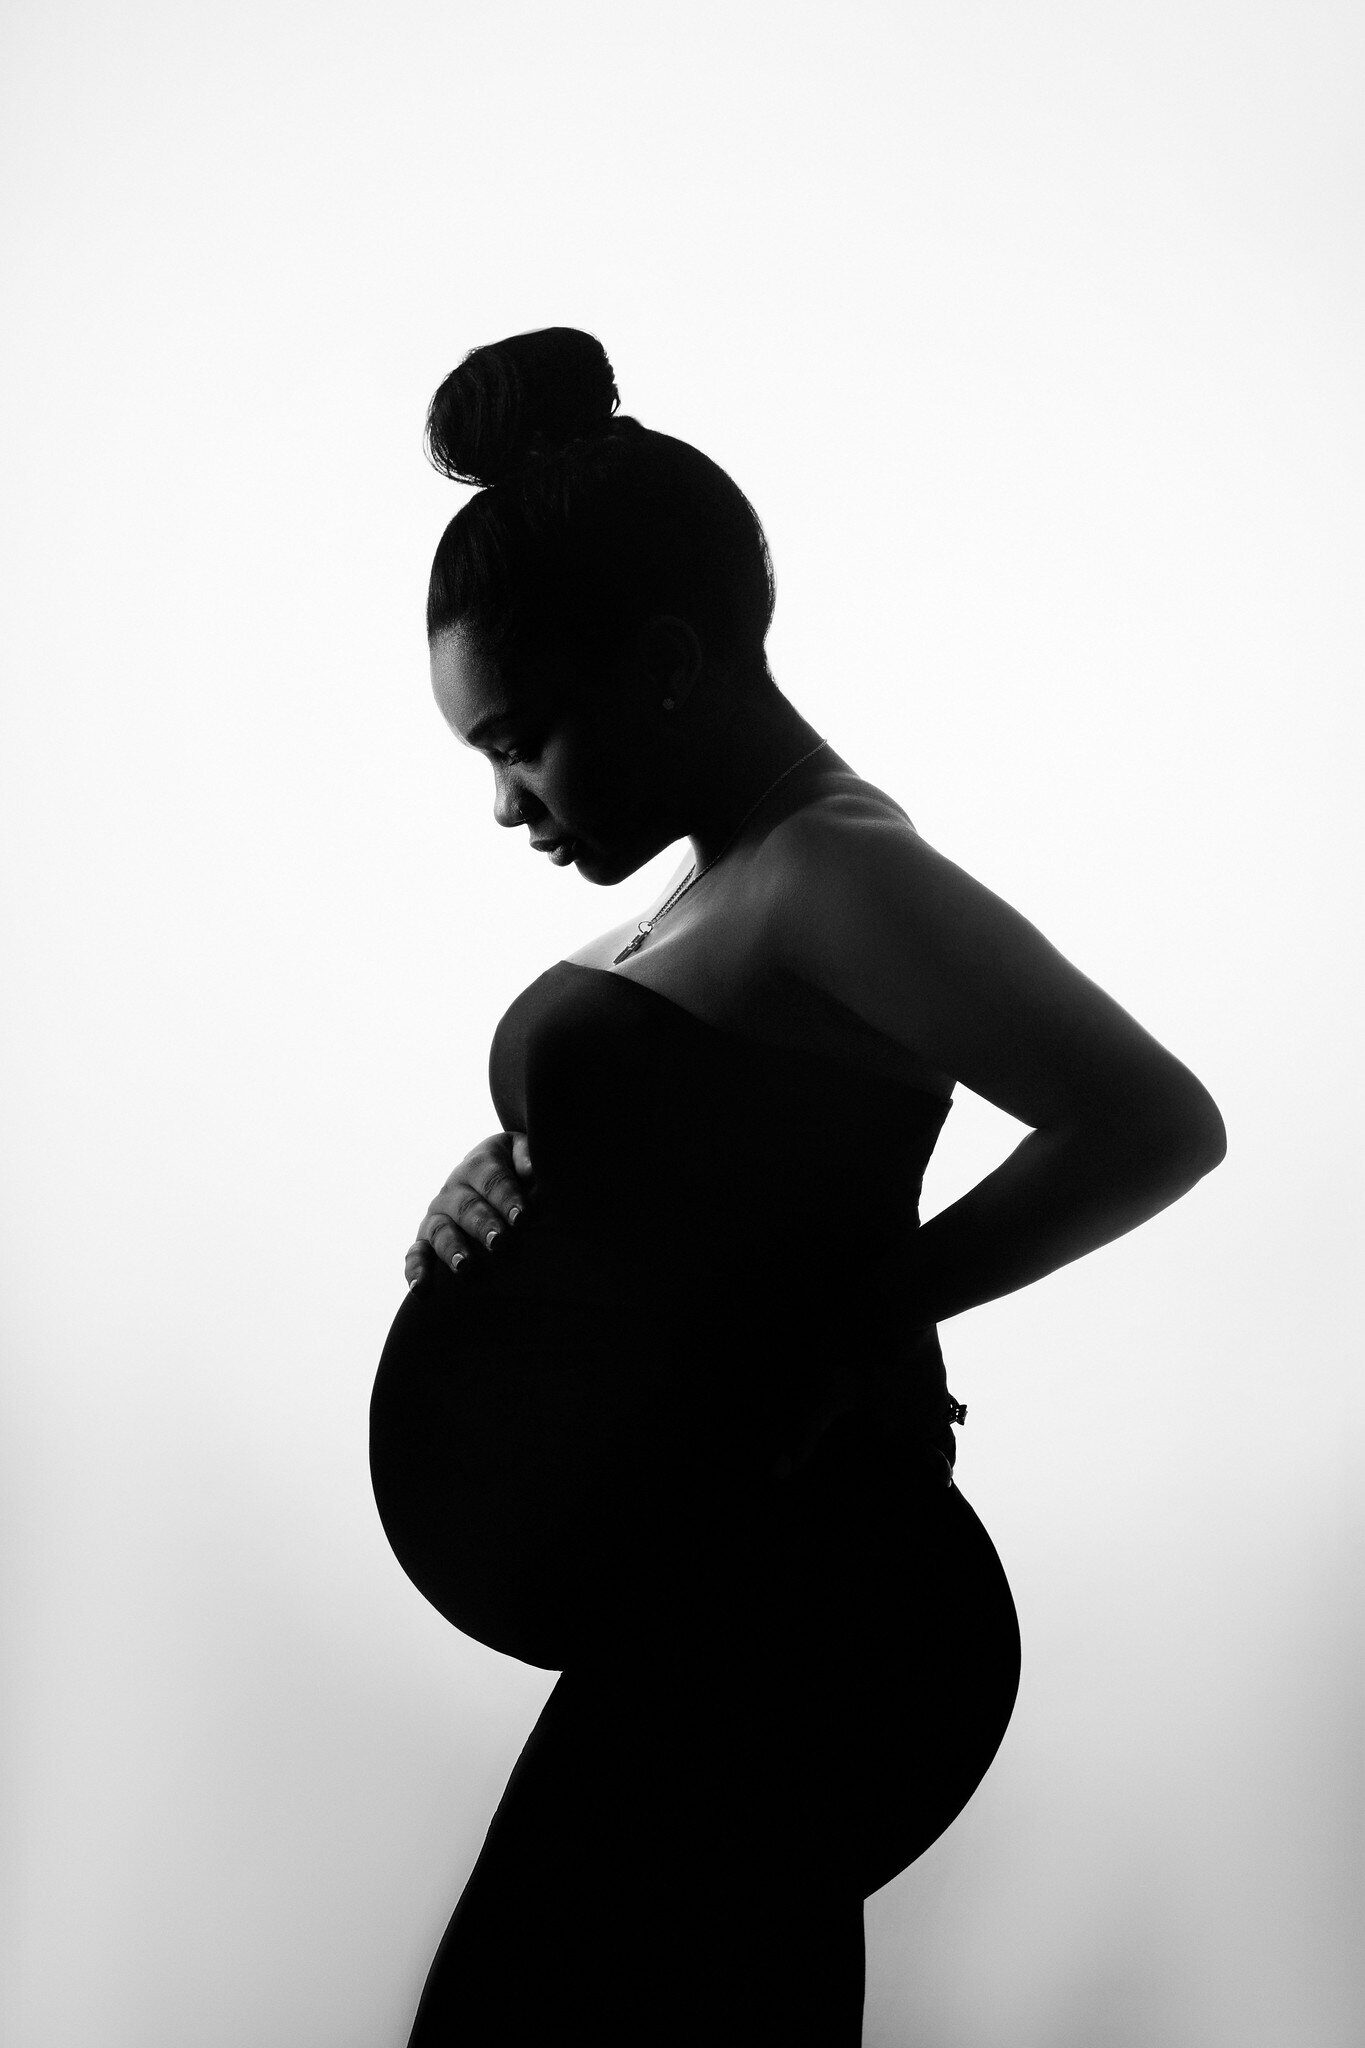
(670, 656)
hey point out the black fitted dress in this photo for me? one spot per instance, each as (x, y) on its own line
(683, 1439)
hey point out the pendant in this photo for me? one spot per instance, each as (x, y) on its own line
(642, 931)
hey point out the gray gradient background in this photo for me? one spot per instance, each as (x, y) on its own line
(1035, 334)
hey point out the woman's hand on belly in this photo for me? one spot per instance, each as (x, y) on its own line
(486, 1193)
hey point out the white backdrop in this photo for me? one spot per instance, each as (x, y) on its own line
(1034, 332)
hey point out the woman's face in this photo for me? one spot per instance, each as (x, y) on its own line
(582, 766)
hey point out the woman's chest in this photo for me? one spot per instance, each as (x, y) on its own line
(645, 1117)
(735, 951)
(720, 961)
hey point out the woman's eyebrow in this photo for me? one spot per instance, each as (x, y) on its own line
(492, 722)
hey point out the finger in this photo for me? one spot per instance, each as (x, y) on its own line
(496, 1200)
(511, 1196)
(521, 1155)
(495, 1181)
(449, 1243)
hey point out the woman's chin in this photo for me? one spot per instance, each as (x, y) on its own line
(595, 866)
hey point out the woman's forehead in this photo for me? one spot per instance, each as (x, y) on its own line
(466, 684)
(473, 687)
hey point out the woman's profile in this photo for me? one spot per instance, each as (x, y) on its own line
(664, 1409)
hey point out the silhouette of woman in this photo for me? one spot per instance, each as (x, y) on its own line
(664, 1408)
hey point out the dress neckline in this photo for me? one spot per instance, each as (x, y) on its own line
(941, 1103)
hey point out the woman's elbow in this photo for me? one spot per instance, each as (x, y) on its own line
(1169, 1130)
(1213, 1139)
(1192, 1134)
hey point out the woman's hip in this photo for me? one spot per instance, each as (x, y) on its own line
(844, 1658)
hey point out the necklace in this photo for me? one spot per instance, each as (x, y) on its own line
(647, 924)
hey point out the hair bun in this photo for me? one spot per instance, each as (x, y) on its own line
(512, 399)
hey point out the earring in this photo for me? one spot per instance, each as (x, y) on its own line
(668, 703)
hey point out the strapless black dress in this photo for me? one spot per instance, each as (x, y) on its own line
(709, 1285)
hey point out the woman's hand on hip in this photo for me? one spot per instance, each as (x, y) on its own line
(488, 1191)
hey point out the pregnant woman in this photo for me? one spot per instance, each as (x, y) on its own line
(664, 1408)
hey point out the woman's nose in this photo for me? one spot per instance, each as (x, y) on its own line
(509, 805)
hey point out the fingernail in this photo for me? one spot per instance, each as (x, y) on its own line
(458, 1261)
(512, 1215)
(492, 1239)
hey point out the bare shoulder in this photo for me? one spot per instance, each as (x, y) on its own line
(847, 798)
(859, 904)
(856, 901)
(851, 823)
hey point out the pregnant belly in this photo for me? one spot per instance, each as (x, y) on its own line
(537, 1458)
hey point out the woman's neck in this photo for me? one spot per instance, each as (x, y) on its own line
(737, 762)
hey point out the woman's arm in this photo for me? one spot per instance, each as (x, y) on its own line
(866, 910)
(1059, 1195)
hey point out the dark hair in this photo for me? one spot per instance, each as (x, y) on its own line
(587, 523)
